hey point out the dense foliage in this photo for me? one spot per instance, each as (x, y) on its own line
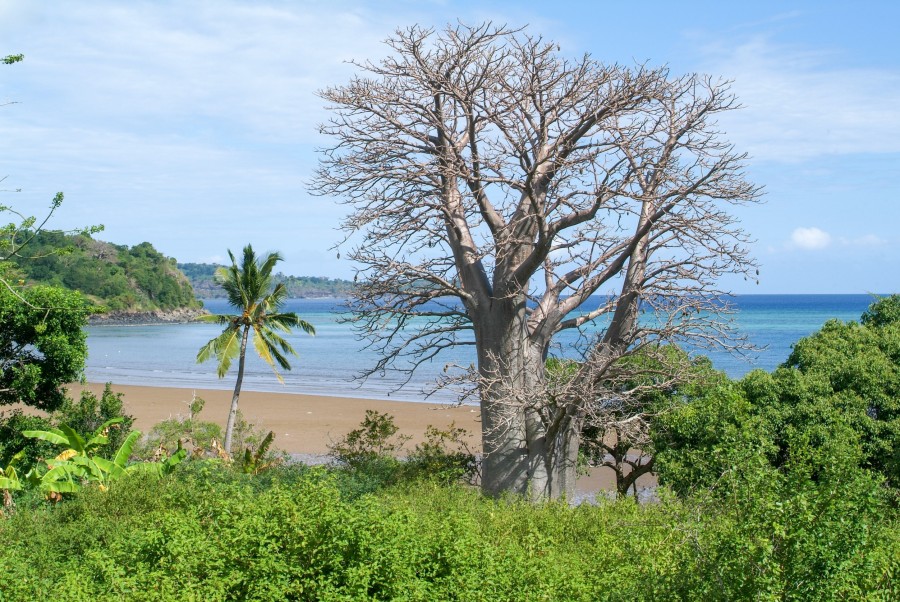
(835, 403)
(210, 533)
(857, 365)
(372, 455)
(202, 278)
(779, 506)
(618, 437)
(137, 278)
(89, 412)
(42, 344)
(84, 415)
(12, 442)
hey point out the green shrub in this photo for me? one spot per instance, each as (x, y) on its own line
(89, 412)
(208, 532)
(12, 441)
(371, 456)
(198, 437)
(444, 456)
(375, 438)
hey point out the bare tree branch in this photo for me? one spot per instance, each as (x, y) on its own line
(496, 186)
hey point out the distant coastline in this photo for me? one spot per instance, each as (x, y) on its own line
(147, 318)
(202, 277)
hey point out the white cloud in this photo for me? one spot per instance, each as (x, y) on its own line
(798, 106)
(250, 68)
(810, 239)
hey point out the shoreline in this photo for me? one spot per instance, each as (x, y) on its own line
(184, 315)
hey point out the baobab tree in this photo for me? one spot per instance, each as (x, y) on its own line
(494, 186)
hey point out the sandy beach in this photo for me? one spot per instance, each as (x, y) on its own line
(303, 424)
(306, 424)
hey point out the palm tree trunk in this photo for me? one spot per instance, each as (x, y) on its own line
(232, 414)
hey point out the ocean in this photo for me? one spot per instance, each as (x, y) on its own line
(328, 364)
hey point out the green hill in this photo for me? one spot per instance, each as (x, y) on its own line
(202, 278)
(121, 278)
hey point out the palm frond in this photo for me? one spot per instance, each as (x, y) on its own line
(275, 300)
(224, 348)
(261, 345)
(249, 287)
(231, 279)
(267, 264)
(270, 353)
(276, 340)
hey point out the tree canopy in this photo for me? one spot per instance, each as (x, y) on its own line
(482, 165)
(857, 365)
(835, 402)
(42, 344)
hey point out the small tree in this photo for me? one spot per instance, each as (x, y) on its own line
(617, 434)
(249, 289)
(857, 366)
(42, 344)
(497, 186)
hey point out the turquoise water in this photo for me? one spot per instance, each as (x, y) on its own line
(164, 355)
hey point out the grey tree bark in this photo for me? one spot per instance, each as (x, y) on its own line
(494, 186)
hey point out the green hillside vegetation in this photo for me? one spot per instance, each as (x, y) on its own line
(118, 277)
(202, 278)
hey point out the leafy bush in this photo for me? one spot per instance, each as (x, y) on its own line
(198, 437)
(375, 438)
(444, 456)
(80, 462)
(209, 532)
(90, 412)
(788, 471)
(373, 456)
(835, 399)
(641, 385)
(857, 367)
(12, 441)
(368, 455)
(201, 439)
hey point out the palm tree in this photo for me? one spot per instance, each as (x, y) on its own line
(249, 290)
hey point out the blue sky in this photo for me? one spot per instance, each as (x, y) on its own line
(192, 124)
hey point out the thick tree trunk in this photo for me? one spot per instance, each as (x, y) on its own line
(525, 452)
(232, 414)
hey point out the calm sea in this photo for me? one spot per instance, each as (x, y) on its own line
(164, 355)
